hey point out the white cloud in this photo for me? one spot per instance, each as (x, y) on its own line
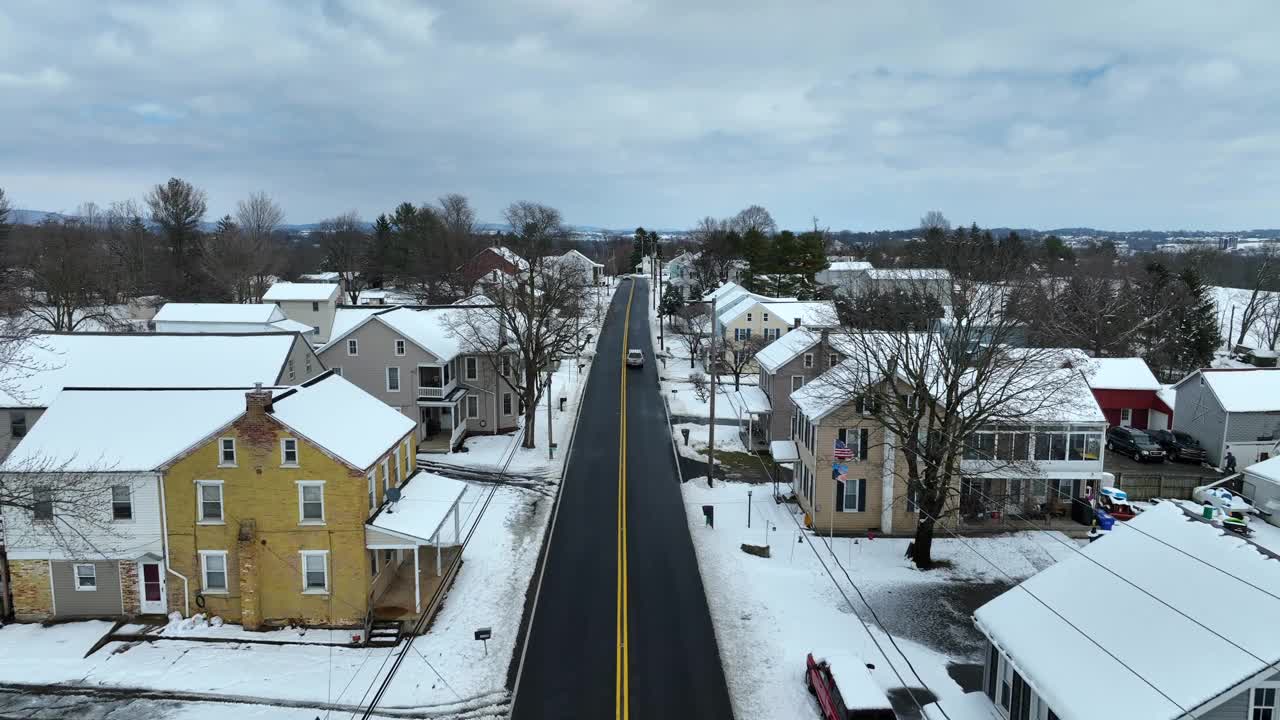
(48, 78)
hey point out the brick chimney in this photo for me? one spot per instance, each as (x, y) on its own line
(257, 402)
(796, 324)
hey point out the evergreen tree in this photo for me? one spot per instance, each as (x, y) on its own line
(1196, 332)
(672, 301)
(377, 260)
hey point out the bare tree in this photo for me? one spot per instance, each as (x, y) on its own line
(934, 220)
(1268, 320)
(178, 207)
(132, 249)
(62, 504)
(259, 217)
(538, 228)
(458, 217)
(718, 248)
(690, 327)
(1265, 276)
(754, 218)
(345, 245)
(65, 263)
(537, 321)
(739, 356)
(930, 392)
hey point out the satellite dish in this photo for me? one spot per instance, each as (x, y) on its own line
(393, 494)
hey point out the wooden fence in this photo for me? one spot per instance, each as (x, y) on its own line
(1141, 486)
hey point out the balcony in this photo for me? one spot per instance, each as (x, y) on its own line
(435, 382)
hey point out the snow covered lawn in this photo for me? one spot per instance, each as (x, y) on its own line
(770, 612)
(445, 668)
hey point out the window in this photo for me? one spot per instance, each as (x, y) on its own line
(315, 571)
(748, 317)
(506, 403)
(87, 577)
(226, 452)
(353, 347)
(993, 668)
(1262, 705)
(741, 334)
(506, 366)
(210, 498)
(373, 563)
(291, 374)
(1126, 416)
(851, 495)
(213, 571)
(764, 317)
(311, 502)
(337, 370)
(808, 360)
(832, 360)
(42, 503)
(393, 379)
(121, 503)
(373, 490)
(470, 365)
(473, 407)
(289, 452)
(399, 347)
(856, 439)
(307, 364)
(17, 423)
(315, 329)
(315, 307)
(797, 382)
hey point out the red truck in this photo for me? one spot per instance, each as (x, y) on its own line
(845, 689)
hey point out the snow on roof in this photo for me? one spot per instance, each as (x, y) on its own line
(725, 290)
(784, 451)
(1267, 469)
(347, 318)
(575, 256)
(288, 325)
(1182, 657)
(122, 430)
(134, 360)
(326, 276)
(429, 329)
(512, 257)
(475, 300)
(220, 313)
(343, 419)
(786, 348)
(286, 291)
(811, 313)
(1243, 390)
(858, 689)
(424, 505)
(907, 274)
(1168, 396)
(1120, 374)
(750, 399)
(849, 266)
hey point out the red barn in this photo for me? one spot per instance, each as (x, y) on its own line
(492, 264)
(1128, 393)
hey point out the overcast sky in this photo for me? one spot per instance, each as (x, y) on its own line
(656, 112)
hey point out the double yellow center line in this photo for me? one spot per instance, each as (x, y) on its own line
(622, 695)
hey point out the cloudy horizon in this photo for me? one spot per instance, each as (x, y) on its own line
(655, 113)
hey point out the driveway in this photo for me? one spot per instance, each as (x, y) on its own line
(1114, 462)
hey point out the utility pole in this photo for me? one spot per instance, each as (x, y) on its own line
(661, 345)
(711, 433)
(551, 451)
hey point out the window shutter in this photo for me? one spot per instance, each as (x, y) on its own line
(842, 435)
(839, 495)
(863, 441)
(862, 405)
(862, 495)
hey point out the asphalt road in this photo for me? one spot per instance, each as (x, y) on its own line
(672, 665)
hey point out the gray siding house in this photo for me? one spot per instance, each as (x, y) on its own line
(1230, 409)
(788, 364)
(1202, 642)
(411, 360)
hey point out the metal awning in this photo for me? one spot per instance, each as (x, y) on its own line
(784, 451)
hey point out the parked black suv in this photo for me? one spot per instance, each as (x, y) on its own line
(1179, 446)
(1135, 443)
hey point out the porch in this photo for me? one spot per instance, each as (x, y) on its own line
(413, 543)
(440, 422)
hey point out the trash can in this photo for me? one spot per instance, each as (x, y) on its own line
(1207, 512)
(1105, 521)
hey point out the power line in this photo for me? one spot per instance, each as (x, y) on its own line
(874, 616)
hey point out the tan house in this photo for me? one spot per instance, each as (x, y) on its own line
(850, 474)
(312, 304)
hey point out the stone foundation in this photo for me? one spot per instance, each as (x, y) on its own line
(32, 592)
(129, 587)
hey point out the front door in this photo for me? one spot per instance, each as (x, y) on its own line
(152, 590)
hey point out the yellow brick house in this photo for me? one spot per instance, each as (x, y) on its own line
(265, 517)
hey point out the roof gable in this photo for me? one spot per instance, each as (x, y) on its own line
(303, 292)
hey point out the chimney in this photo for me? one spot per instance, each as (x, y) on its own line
(257, 402)
(796, 324)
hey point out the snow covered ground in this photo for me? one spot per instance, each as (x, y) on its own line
(1228, 299)
(770, 612)
(445, 669)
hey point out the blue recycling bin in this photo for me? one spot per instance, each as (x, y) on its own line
(1105, 520)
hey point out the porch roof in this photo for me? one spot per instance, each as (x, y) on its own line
(426, 499)
(454, 396)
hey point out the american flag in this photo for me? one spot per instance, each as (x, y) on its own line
(842, 451)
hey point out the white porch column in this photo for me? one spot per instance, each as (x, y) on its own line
(435, 542)
(417, 582)
(457, 534)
